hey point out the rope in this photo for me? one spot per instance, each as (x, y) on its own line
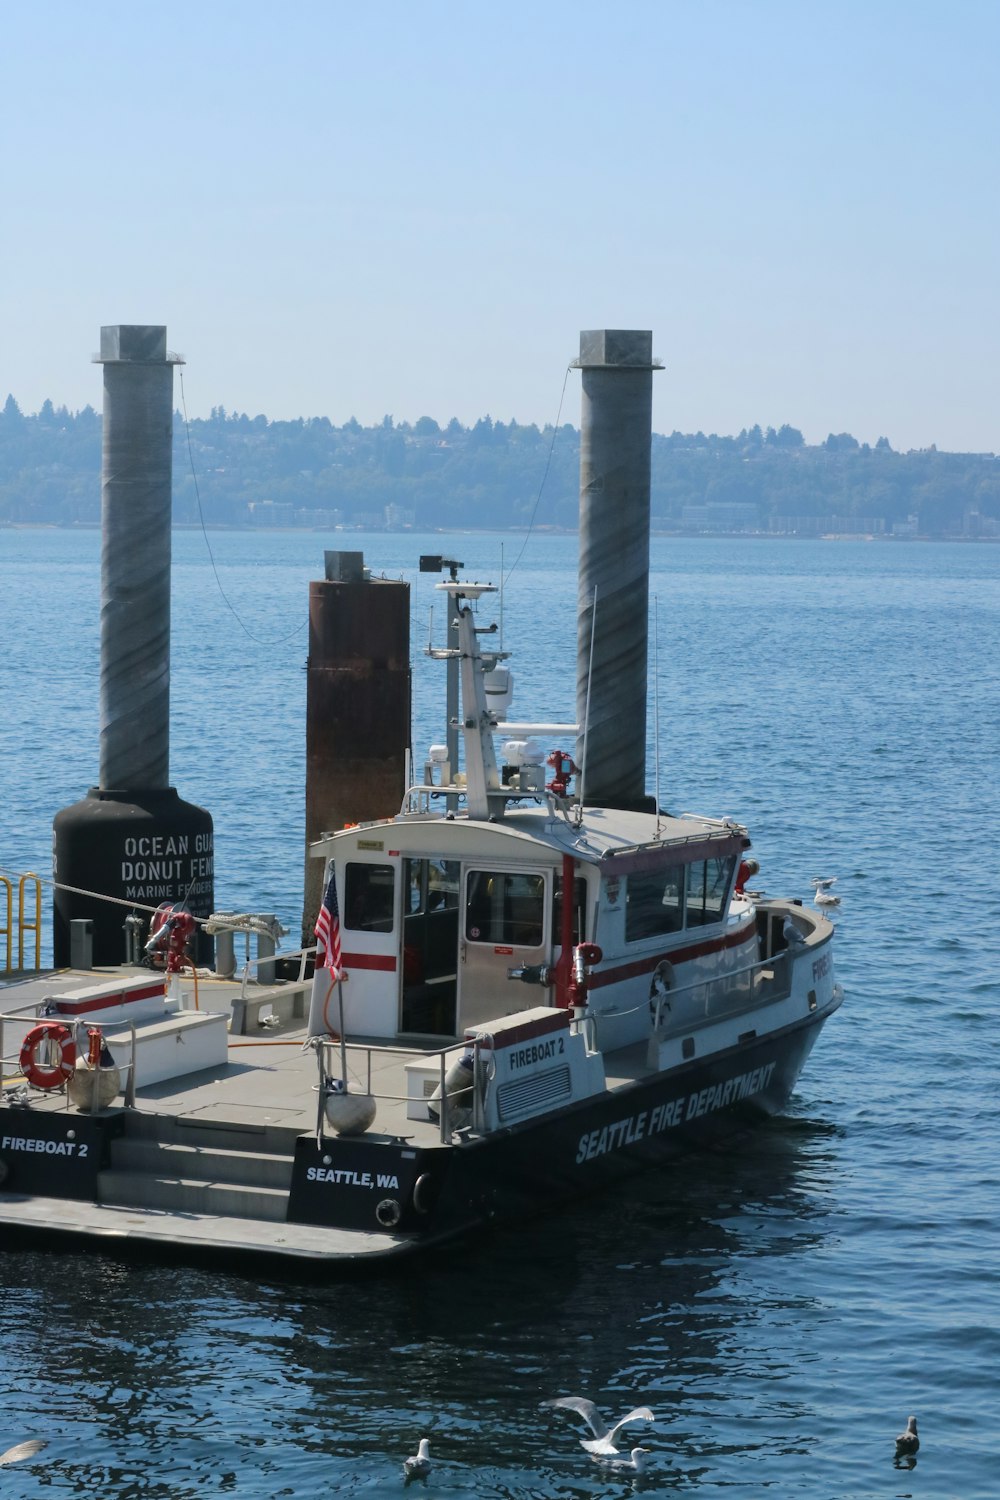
(258, 640)
(75, 890)
(194, 972)
(243, 922)
(217, 922)
(548, 465)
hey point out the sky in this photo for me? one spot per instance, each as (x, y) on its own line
(343, 209)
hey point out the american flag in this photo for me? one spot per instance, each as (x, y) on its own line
(328, 930)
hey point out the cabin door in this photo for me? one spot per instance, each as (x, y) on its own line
(504, 925)
(430, 946)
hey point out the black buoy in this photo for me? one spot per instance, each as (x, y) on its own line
(146, 848)
(132, 838)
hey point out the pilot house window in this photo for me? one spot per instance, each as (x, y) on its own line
(653, 903)
(432, 884)
(707, 890)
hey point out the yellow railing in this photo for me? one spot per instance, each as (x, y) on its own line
(8, 931)
(25, 921)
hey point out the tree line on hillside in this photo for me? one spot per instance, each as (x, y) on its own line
(232, 470)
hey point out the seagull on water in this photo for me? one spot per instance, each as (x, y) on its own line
(824, 896)
(418, 1465)
(907, 1443)
(22, 1451)
(603, 1441)
(636, 1460)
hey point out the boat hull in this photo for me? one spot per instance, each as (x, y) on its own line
(342, 1192)
(525, 1170)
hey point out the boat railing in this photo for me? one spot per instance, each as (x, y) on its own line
(36, 1013)
(330, 1052)
(332, 1055)
(764, 979)
(266, 961)
(419, 797)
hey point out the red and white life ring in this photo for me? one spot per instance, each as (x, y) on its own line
(55, 1074)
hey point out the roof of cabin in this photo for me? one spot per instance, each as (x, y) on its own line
(628, 839)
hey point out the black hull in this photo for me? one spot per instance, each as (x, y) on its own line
(402, 1200)
(598, 1142)
(526, 1169)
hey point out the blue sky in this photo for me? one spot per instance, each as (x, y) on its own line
(414, 208)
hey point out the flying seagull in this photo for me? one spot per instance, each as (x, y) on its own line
(418, 1465)
(22, 1451)
(907, 1443)
(603, 1441)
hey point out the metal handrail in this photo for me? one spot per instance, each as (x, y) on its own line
(27, 925)
(302, 954)
(477, 1043)
(8, 930)
(20, 1016)
(24, 923)
(418, 797)
(717, 981)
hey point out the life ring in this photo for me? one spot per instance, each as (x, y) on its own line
(54, 1076)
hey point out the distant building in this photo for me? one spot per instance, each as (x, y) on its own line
(721, 515)
(826, 525)
(975, 525)
(318, 518)
(270, 513)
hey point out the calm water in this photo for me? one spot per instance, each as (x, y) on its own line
(782, 1309)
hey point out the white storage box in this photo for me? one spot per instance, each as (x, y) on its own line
(422, 1078)
(174, 1047)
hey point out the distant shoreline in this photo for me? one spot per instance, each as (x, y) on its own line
(703, 536)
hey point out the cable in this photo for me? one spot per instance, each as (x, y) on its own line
(258, 640)
(548, 465)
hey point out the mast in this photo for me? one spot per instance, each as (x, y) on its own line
(484, 796)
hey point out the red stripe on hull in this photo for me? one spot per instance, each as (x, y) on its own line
(674, 955)
(71, 1007)
(385, 963)
(557, 1020)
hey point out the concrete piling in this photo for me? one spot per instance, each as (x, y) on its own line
(131, 839)
(357, 705)
(613, 590)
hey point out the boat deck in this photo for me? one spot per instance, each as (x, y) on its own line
(207, 1234)
(269, 1082)
(270, 1079)
(208, 1156)
(260, 1099)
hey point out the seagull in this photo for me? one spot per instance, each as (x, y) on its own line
(907, 1443)
(418, 1465)
(603, 1441)
(22, 1450)
(636, 1460)
(824, 896)
(792, 933)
